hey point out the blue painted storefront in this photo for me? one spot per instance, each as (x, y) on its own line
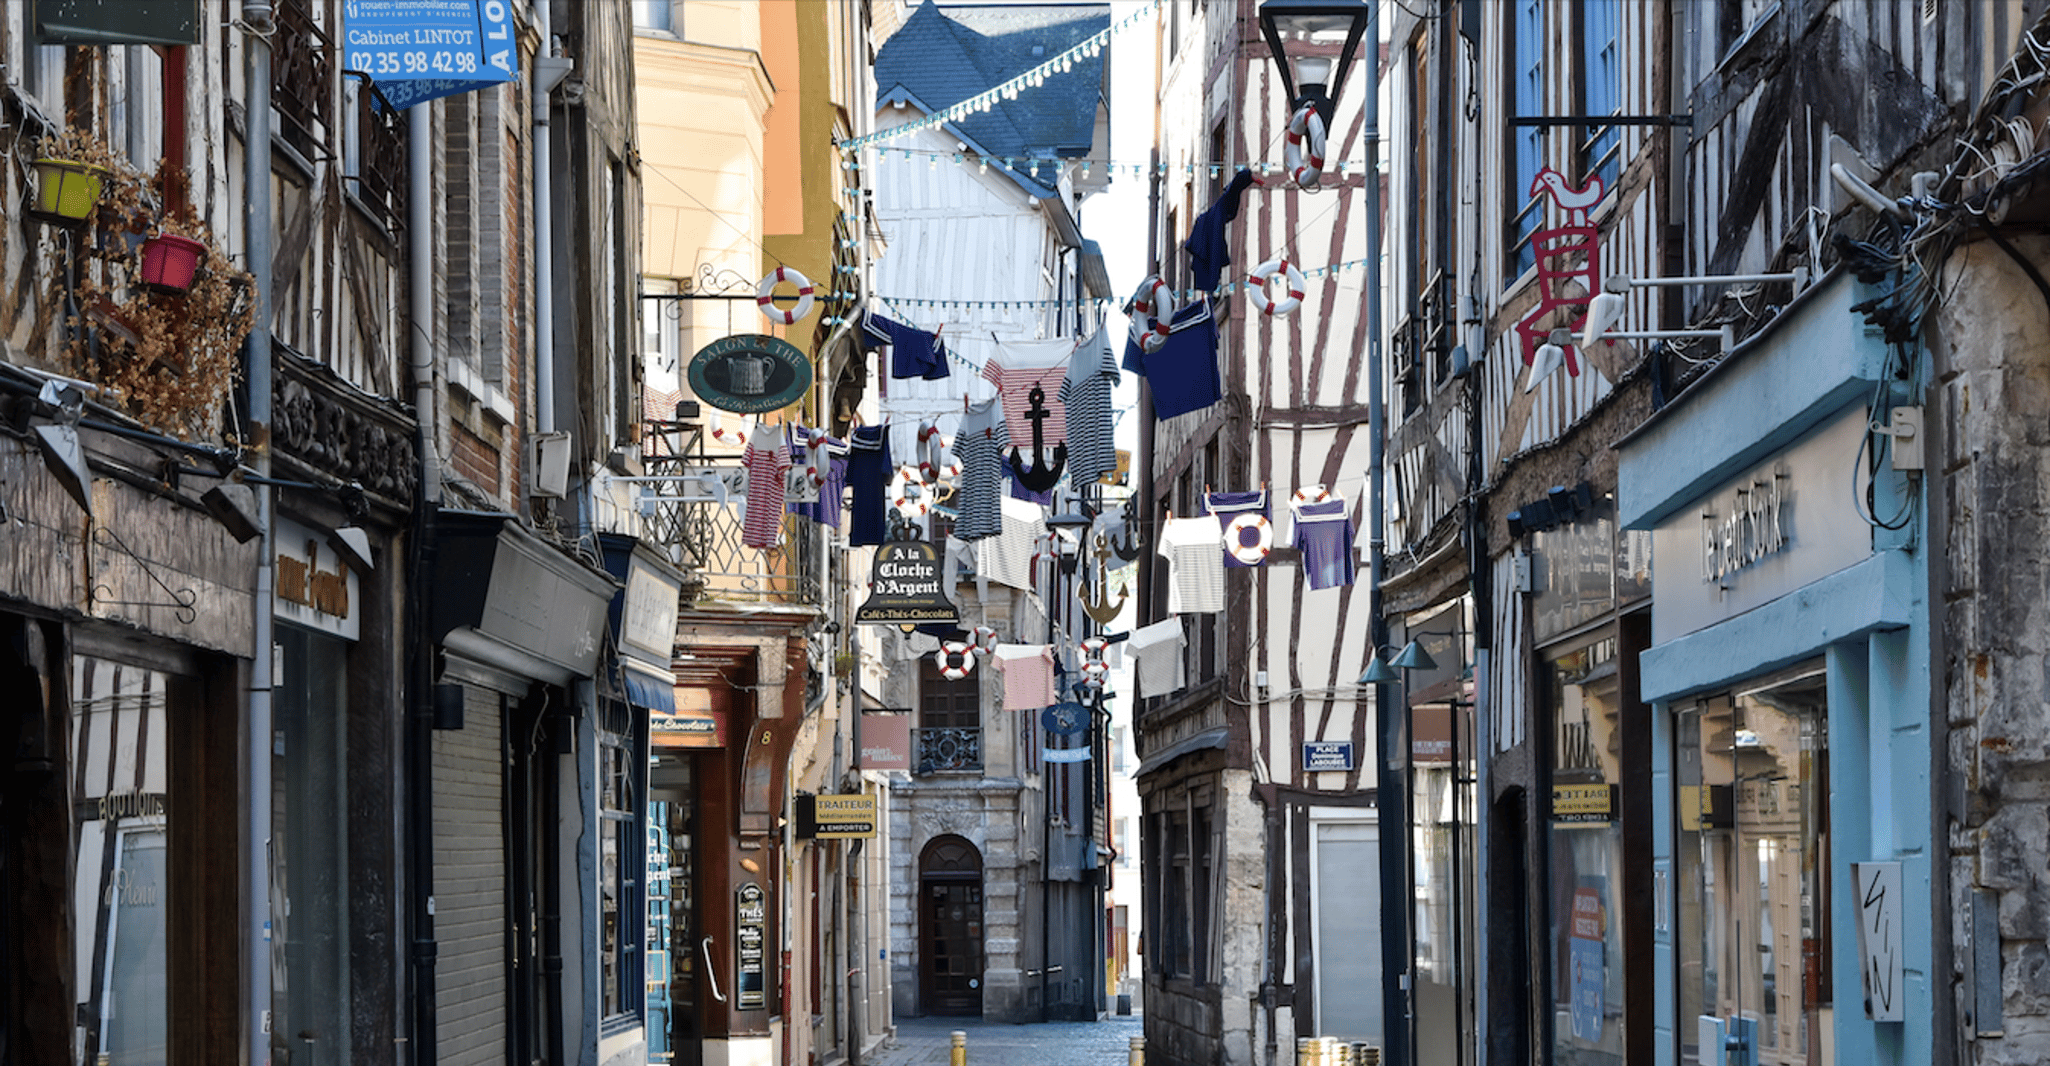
(1777, 437)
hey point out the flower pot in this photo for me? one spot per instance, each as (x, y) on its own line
(66, 191)
(169, 261)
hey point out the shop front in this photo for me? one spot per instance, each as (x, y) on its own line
(1788, 681)
(1589, 620)
(519, 785)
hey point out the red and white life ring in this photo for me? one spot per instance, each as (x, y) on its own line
(929, 445)
(1151, 307)
(1249, 538)
(1307, 168)
(1311, 494)
(765, 296)
(1093, 648)
(955, 659)
(1262, 275)
(1095, 669)
(984, 640)
(911, 508)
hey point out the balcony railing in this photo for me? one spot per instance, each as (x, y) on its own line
(302, 76)
(945, 750)
(699, 508)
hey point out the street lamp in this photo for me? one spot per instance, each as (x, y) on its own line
(1395, 782)
(1300, 34)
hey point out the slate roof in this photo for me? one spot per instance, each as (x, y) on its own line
(941, 56)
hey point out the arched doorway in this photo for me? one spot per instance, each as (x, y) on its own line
(950, 927)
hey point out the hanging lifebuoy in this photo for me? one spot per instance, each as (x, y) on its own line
(1151, 308)
(1249, 537)
(1307, 168)
(815, 476)
(984, 639)
(911, 508)
(1311, 494)
(765, 295)
(955, 659)
(1095, 669)
(929, 445)
(1257, 282)
(1093, 648)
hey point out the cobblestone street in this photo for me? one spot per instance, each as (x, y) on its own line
(925, 1042)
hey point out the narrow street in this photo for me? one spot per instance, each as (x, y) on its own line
(926, 1042)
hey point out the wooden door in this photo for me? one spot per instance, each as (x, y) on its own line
(950, 928)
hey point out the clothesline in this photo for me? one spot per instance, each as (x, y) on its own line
(1089, 47)
(1100, 303)
(1087, 168)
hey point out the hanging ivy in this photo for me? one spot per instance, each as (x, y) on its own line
(171, 357)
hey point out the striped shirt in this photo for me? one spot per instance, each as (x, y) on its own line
(980, 446)
(767, 460)
(1195, 562)
(1092, 443)
(1028, 675)
(1016, 370)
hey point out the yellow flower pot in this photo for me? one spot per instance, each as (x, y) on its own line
(66, 191)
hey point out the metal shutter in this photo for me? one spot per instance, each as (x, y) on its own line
(469, 886)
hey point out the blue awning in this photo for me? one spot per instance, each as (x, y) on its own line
(648, 689)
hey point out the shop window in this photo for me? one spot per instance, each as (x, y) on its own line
(1752, 851)
(310, 908)
(622, 862)
(1586, 857)
(119, 745)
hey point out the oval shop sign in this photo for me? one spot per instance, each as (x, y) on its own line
(750, 374)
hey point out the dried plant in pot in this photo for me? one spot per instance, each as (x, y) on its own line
(157, 309)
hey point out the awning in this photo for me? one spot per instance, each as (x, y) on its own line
(1209, 738)
(648, 689)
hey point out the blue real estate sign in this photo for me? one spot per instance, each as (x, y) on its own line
(419, 50)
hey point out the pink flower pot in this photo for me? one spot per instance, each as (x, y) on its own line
(169, 261)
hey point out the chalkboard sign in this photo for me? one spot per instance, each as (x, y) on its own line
(751, 919)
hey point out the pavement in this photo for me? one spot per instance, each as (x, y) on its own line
(927, 1042)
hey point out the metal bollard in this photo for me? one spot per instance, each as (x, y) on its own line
(1137, 1055)
(958, 1054)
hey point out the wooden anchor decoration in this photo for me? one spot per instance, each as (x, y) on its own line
(1043, 475)
(1102, 611)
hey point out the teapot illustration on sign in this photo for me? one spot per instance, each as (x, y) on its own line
(747, 373)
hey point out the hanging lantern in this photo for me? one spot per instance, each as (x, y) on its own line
(66, 190)
(169, 262)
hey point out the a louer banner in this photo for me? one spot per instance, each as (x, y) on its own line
(419, 50)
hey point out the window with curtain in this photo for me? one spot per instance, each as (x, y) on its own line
(1526, 147)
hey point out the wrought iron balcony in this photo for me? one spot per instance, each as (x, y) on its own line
(302, 78)
(947, 750)
(699, 507)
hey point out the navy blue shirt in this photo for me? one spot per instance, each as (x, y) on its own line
(914, 353)
(1183, 373)
(1209, 251)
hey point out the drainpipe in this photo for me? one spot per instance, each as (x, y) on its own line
(256, 798)
(420, 712)
(1390, 797)
(549, 70)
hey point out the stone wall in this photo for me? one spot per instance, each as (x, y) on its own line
(1991, 505)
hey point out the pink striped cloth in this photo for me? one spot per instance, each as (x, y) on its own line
(1017, 367)
(767, 459)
